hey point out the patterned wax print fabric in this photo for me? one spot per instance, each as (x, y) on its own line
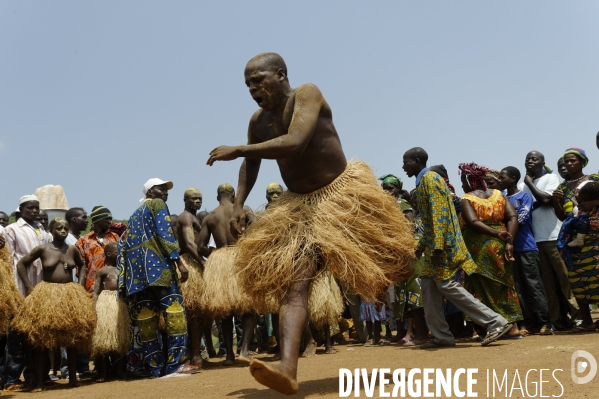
(441, 229)
(148, 250)
(408, 293)
(92, 250)
(583, 273)
(371, 312)
(493, 281)
(144, 313)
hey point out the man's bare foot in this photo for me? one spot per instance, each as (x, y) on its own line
(228, 362)
(245, 358)
(330, 351)
(310, 350)
(275, 377)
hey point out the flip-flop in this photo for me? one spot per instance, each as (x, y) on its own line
(414, 342)
(16, 388)
(187, 369)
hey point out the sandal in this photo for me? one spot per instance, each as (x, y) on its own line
(368, 343)
(187, 369)
(494, 335)
(383, 342)
(414, 342)
(581, 329)
(16, 388)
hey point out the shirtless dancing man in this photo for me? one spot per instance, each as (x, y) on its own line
(295, 127)
(217, 224)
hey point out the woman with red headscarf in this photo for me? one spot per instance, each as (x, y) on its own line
(484, 217)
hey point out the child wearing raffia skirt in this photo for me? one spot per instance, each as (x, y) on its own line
(113, 335)
(38, 319)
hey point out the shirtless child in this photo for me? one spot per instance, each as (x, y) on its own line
(188, 230)
(57, 312)
(112, 335)
(217, 225)
(295, 127)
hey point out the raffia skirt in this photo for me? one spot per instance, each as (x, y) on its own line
(113, 330)
(351, 228)
(57, 315)
(223, 293)
(325, 302)
(10, 297)
(193, 287)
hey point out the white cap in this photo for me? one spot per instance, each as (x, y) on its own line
(27, 198)
(156, 182)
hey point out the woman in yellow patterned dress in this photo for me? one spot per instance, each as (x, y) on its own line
(484, 217)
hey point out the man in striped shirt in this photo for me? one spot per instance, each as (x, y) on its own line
(21, 237)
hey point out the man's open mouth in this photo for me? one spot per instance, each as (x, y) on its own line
(258, 100)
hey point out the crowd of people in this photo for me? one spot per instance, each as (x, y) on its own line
(334, 253)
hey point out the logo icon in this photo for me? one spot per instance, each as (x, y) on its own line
(580, 366)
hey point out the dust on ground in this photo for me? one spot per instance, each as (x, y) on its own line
(318, 376)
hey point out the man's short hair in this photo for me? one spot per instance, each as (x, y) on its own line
(71, 213)
(417, 153)
(110, 245)
(512, 171)
(191, 191)
(225, 188)
(272, 61)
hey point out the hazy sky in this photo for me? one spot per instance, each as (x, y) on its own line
(100, 96)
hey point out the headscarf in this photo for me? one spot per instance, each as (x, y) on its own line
(392, 179)
(579, 152)
(475, 175)
(441, 171)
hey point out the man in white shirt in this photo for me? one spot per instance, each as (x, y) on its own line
(77, 219)
(21, 237)
(541, 183)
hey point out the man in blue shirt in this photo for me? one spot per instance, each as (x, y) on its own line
(149, 281)
(528, 265)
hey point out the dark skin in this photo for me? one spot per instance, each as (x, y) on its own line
(78, 223)
(586, 204)
(510, 219)
(561, 169)
(492, 182)
(471, 219)
(574, 166)
(175, 225)
(42, 218)
(54, 257)
(3, 219)
(396, 192)
(217, 225)
(107, 279)
(413, 166)
(294, 127)
(509, 183)
(188, 231)
(534, 163)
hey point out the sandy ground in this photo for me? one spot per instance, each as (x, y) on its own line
(319, 375)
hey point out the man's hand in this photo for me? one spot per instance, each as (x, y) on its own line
(528, 180)
(238, 222)
(436, 257)
(558, 195)
(504, 236)
(223, 153)
(183, 270)
(509, 252)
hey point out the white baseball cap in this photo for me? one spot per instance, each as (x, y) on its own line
(156, 182)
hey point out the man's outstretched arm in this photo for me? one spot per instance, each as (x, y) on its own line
(308, 102)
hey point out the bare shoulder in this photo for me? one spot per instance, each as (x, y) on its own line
(307, 91)
(186, 219)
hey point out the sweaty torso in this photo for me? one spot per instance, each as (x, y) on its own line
(190, 227)
(218, 223)
(323, 159)
(53, 264)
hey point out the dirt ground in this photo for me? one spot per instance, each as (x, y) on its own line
(319, 375)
